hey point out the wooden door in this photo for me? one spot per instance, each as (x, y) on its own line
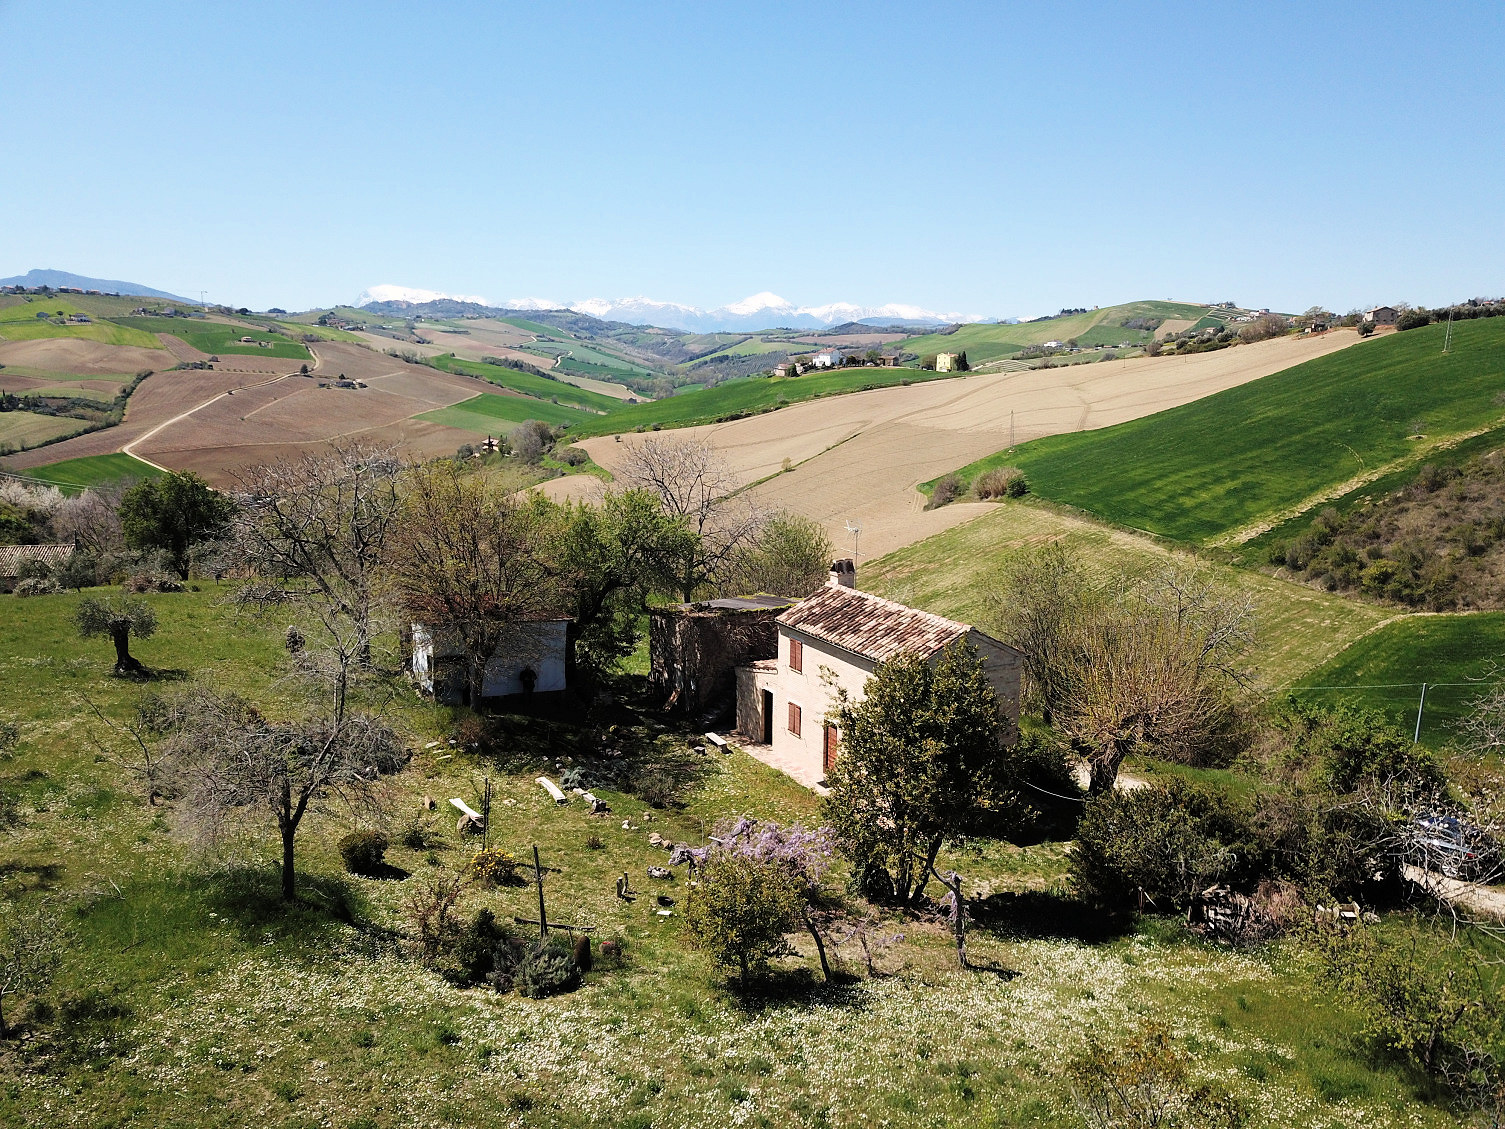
(832, 744)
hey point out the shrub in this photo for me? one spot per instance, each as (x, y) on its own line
(548, 968)
(740, 910)
(1159, 847)
(363, 852)
(487, 952)
(38, 586)
(582, 953)
(417, 835)
(1001, 482)
(946, 491)
(1413, 319)
(494, 865)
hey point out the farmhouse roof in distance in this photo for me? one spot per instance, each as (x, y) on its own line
(13, 557)
(869, 625)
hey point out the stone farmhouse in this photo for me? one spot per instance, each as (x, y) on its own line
(16, 559)
(784, 661)
(1381, 315)
(532, 657)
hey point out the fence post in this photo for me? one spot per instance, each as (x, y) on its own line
(1420, 706)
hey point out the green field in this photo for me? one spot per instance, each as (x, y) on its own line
(19, 430)
(954, 574)
(216, 337)
(984, 343)
(489, 413)
(527, 383)
(1216, 465)
(19, 322)
(747, 397)
(1458, 656)
(92, 470)
(188, 995)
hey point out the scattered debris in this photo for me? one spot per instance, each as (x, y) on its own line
(553, 790)
(666, 913)
(719, 741)
(470, 819)
(659, 872)
(432, 745)
(427, 803)
(624, 888)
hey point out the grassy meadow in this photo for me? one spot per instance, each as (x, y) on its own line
(1458, 656)
(19, 322)
(527, 384)
(19, 430)
(1206, 469)
(190, 996)
(953, 574)
(71, 475)
(217, 337)
(488, 413)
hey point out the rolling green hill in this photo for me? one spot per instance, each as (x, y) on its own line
(19, 321)
(1221, 463)
(218, 337)
(738, 398)
(527, 384)
(490, 414)
(1104, 326)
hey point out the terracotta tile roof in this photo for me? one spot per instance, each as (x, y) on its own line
(12, 557)
(869, 625)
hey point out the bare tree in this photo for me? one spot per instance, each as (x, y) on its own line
(1157, 663)
(91, 520)
(29, 951)
(316, 531)
(237, 762)
(469, 561)
(693, 484)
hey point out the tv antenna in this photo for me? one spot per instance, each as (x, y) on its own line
(855, 529)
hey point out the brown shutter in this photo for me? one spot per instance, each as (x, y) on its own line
(794, 719)
(796, 655)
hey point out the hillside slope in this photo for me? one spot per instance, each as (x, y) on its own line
(1221, 469)
(1105, 326)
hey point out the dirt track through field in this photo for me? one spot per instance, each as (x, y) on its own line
(858, 458)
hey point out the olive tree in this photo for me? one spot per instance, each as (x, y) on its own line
(922, 760)
(739, 910)
(121, 619)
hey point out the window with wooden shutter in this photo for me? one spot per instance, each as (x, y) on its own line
(794, 719)
(796, 655)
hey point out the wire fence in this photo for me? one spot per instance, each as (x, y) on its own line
(1430, 711)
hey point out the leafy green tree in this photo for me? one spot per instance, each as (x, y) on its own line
(608, 560)
(174, 513)
(1159, 847)
(791, 556)
(121, 620)
(740, 909)
(922, 761)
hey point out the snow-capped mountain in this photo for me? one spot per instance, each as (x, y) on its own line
(765, 310)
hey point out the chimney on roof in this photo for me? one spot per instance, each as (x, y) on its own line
(843, 573)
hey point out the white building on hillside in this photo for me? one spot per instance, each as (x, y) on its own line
(835, 639)
(531, 658)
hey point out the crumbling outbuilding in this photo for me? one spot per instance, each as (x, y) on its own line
(695, 649)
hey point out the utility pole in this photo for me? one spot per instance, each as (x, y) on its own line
(203, 304)
(1422, 705)
(1011, 429)
(1447, 339)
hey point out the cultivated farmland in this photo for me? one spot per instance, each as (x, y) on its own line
(1225, 468)
(860, 457)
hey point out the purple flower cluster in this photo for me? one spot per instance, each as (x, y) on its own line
(806, 853)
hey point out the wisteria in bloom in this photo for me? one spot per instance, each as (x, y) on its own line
(806, 853)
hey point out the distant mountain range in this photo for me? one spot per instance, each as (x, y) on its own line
(760, 311)
(55, 278)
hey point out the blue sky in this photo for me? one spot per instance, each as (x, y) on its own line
(1003, 159)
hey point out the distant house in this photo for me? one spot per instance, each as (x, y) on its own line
(530, 659)
(1381, 315)
(889, 362)
(781, 370)
(14, 560)
(945, 362)
(834, 640)
(829, 359)
(248, 340)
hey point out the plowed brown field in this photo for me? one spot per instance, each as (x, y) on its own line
(87, 358)
(859, 457)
